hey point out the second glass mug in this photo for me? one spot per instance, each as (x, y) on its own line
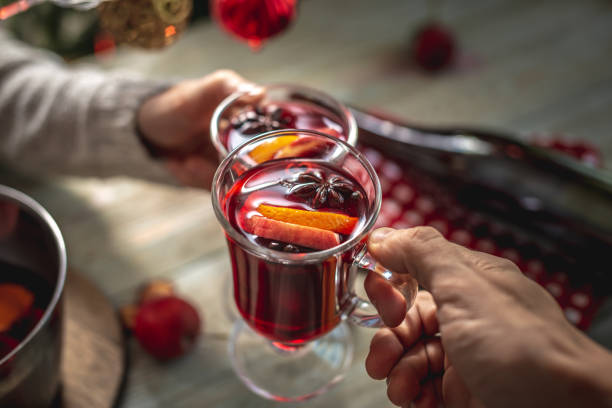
(335, 116)
(312, 108)
(295, 344)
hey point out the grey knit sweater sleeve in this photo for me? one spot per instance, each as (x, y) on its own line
(56, 119)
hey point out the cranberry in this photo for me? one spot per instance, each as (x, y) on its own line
(167, 327)
(433, 47)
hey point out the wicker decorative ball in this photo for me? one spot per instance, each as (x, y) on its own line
(145, 23)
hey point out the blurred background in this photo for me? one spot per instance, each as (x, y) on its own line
(525, 67)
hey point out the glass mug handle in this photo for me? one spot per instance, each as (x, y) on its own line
(364, 313)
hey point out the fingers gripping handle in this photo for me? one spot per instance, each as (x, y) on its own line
(364, 313)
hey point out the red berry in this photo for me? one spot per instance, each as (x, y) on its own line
(433, 47)
(166, 327)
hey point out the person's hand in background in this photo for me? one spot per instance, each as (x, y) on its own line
(176, 123)
(504, 342)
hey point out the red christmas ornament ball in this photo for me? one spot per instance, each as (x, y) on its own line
(167, 327)
(433, 47)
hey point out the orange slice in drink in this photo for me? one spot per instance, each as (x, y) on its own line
(305, 146)
(309, 237)
(266, 151)
(15, 301)
(318, 219)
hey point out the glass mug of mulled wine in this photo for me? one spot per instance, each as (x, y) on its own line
(32, 275)
(246, 114)
(297, 207)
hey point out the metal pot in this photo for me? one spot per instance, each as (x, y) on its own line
(30, 241)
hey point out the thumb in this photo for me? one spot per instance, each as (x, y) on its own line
(421, 252)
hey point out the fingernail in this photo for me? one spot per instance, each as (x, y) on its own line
(380, 234)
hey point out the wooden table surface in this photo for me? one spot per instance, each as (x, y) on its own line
(523, 66)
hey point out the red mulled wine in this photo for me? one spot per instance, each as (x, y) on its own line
(23, 298)
(296, 206)
(252, 120)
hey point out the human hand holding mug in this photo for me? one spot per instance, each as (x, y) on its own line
(503, 340)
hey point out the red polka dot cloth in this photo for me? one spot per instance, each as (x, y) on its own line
(410, 200)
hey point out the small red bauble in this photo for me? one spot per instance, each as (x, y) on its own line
(166, 327)
(433, 47)
(254, 21)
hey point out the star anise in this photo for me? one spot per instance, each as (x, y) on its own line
(256, 121)
(332, 190)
